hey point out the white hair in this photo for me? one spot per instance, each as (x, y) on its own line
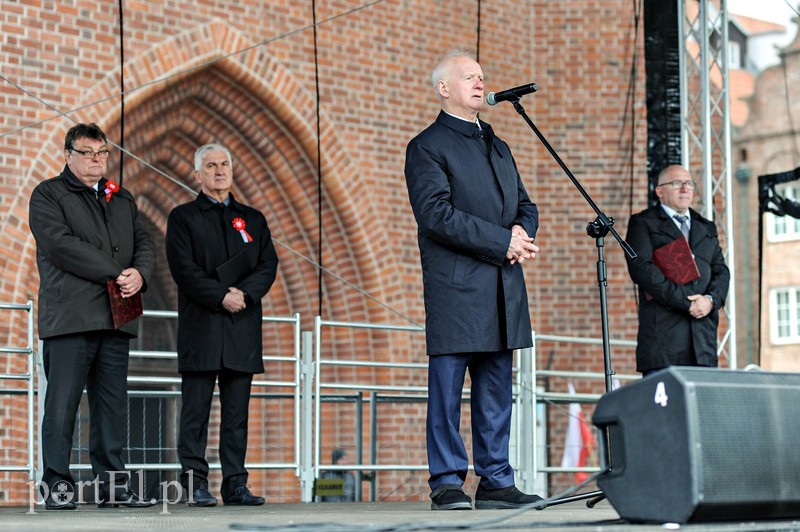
(441, 70)
(203, 150)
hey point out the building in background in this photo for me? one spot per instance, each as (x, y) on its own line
(753, 46)
(768, 247)
(318, 117)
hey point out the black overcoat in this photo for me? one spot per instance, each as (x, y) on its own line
(465, 204)
(667, 332)
(201, 237)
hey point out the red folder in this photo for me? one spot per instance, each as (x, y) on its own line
(123, 309)
(676, 262)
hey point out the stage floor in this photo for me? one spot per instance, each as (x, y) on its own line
(346, 517)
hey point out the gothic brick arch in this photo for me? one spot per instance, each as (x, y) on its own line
(255, 106)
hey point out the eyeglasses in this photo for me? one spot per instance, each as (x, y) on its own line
(690, 185)
(89, 154)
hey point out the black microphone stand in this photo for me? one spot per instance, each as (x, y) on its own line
(596, 229)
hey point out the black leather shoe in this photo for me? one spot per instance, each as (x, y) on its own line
(201, 497)
(503, 499)
(242, 497)
(450, 497)
(54, 504)
(128, 499)
(61, 496)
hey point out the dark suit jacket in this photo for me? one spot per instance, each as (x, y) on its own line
(201, 237)
(668, 335)
(465, 204)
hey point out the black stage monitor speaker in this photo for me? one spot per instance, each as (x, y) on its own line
(698, 444)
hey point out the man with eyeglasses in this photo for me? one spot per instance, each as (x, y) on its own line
(677, 322)
(88, 231)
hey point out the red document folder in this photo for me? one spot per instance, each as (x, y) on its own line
(123, 309)
(676, 262)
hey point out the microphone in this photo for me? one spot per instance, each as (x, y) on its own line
(516, 93)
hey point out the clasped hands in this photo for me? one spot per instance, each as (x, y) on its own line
(234, 300)
(130, 281)
(701, 306)
(521, 246)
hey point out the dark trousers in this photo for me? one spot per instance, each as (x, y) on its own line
(197, 390)
(98, 361)
(490, 405)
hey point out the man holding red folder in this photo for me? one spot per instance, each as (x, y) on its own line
(91, 244)
(681, 288)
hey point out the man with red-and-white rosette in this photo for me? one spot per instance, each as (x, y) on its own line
(221, 256)
(91, 243)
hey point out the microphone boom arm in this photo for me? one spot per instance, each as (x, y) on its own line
(603, 223)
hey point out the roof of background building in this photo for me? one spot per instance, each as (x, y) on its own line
(754, 26)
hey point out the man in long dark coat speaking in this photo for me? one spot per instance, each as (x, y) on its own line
(476, 226)
(221, 256)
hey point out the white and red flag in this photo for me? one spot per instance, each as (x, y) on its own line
(579, 444)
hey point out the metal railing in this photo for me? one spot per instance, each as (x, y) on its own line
(524, 420)
(293, 384)
(547, 397)
(319, 361)
(30, 390)
(307, 388)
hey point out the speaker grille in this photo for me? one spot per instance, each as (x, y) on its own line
(744, 433)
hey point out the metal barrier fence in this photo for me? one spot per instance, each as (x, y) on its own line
(552, 398)
(522, 392)
(309, 391)
(319, 385)
(28, 377)
(166, 393)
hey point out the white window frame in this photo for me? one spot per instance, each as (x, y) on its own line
(734, 55)
(792, 320)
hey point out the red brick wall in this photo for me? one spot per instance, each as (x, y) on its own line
(243, 73)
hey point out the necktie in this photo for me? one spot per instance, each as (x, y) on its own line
(683, 220)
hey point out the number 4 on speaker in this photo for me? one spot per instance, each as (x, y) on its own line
(661, 394)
